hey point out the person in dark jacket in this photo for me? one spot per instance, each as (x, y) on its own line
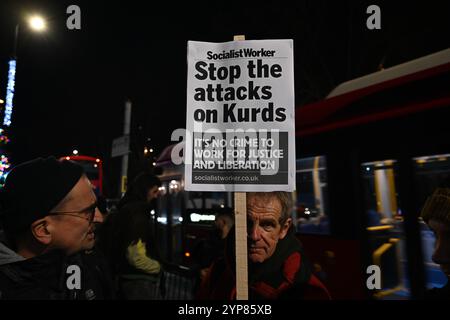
(278, 268)
(48, 210)
(134, 253)
(436, 213)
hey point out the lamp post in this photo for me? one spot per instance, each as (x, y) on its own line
(37, 24)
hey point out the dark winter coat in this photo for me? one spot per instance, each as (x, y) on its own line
(44, 277)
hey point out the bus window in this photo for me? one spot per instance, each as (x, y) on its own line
(385, 228)
(169, 218)
(207, 200)
(310, 199)
(162, 215)
(92, 168)
(430, 172)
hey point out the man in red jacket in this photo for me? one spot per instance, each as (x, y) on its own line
(278, 268)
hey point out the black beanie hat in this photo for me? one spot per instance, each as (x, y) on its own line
(33, 189)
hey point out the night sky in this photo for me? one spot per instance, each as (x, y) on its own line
(71, 85)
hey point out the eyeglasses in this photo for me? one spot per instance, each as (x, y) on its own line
(89, 210)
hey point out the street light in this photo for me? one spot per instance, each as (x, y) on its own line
(38, 24)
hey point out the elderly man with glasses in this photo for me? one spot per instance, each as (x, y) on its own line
(48, 211)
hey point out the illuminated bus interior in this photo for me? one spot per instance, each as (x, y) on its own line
(311, 205)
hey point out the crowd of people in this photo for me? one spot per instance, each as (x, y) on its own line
(58, 242)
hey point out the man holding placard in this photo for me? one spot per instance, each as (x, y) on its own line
(241, 138)
(278, 268)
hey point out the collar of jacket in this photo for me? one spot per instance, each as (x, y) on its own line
(287, 263)
(287, 267)
(8, 255)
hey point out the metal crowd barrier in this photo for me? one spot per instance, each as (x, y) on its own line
(178, 283)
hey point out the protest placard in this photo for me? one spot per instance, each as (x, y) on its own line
(240, 116)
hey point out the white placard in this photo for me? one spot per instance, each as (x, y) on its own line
(240, 116)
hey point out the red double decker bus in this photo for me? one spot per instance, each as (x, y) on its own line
(93, 168)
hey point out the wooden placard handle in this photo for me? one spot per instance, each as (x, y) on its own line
(240, 212)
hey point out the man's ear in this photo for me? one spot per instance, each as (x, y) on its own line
(41, 231)
(285, 227)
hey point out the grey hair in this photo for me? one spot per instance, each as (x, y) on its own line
(284, 198)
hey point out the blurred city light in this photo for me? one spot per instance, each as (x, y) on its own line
(37, 23)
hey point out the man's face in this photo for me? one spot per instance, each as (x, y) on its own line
(263, 224)
(441, 253)
(153, 193)
(72, 222)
